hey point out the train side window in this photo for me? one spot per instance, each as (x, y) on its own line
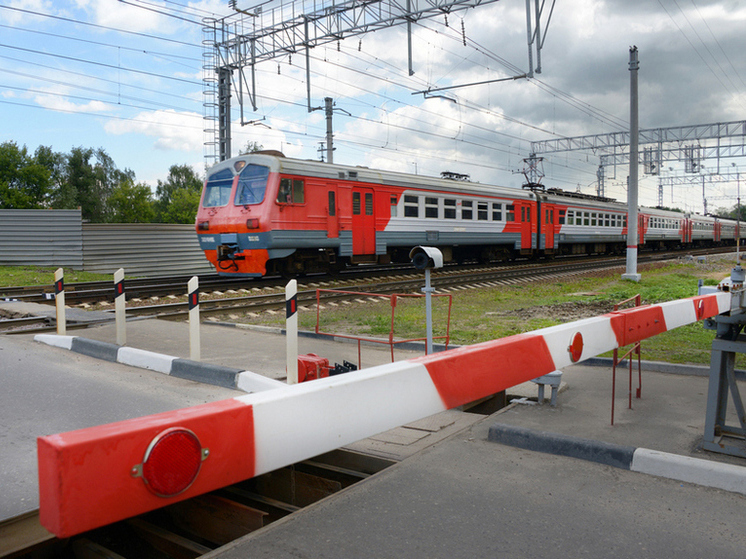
(523, 214)
(586, 218)
(482, 211)
(292, 191)
(593, 219)
(449, 209)
(497, 212)
(561, 217)
(355, 203)
(570, 217)
(299, 194)
(466, 210)
(393, 206)
(606, 220)
(332, 203)
(510, 212)
(368, 203)
(411, 206)
(431, 207)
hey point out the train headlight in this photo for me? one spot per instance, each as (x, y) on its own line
(252, 223)
(203, 226)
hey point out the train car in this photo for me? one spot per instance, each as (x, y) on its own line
(266, 214)
(587, 224)
(263, 213)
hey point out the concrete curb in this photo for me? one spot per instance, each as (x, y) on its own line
(207, 373)
(647, 366)
(707, 473)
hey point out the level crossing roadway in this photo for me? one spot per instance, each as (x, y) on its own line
(48, 390)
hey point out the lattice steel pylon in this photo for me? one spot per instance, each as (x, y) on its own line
(257, 34)
(678, 143)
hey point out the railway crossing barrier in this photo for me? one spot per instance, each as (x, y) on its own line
(95, 476)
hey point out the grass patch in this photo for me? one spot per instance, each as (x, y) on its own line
(39, 275)
(485, 314)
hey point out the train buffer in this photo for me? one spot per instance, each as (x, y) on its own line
(95, 476)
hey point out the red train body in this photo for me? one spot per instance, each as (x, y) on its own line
(266, 214)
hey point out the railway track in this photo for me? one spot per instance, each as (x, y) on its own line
(146, 297)
(194, 527)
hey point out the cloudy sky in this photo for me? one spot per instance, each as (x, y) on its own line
(127, 76)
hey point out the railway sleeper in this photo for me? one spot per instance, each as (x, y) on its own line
(194, 527)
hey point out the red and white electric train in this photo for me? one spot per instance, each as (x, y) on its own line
(263, 213)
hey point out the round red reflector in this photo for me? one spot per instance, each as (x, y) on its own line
(576, 347)
(172, 462)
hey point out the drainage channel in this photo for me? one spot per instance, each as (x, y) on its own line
(194, 527)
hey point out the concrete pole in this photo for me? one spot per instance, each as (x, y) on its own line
(631, 272)
(428, 312)
(329, 130)
(119, 299)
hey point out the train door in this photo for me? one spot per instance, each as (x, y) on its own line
(524, 210)
(718, 231)
(332, 221)
(548, 210)
(363, 222)
(687, 227)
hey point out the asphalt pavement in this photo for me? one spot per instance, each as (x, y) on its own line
(456, 491)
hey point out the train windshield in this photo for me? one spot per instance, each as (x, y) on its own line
(218, 189)
(251, 185)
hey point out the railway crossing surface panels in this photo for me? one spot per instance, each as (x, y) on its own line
(469, 495)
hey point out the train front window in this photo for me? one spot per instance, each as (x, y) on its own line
(218, 189)
(251, 185)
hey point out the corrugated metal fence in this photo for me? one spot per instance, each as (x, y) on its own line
(41, 237)
(59, 238)
(147, 249)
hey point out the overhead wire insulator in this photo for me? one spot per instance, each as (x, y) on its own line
(463, 31)
(446, 18)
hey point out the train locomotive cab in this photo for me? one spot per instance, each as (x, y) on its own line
(231, 221)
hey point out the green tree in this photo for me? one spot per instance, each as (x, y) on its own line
(90, 177)
(183, 207)
(24, 182)
(178, 196)
(251, 147)
(131, 203)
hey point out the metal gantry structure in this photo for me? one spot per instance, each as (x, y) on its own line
(691, 144)
(237, 43)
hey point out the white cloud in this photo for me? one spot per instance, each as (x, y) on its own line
(172, 130)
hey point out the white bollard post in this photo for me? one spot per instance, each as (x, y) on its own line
(291, 329)
(119, 312)
(59, 301)
(194, 343)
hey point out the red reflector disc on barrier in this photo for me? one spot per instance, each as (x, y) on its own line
(576, 347)
(172, 462)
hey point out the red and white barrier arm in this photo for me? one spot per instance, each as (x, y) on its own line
(95, 476)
